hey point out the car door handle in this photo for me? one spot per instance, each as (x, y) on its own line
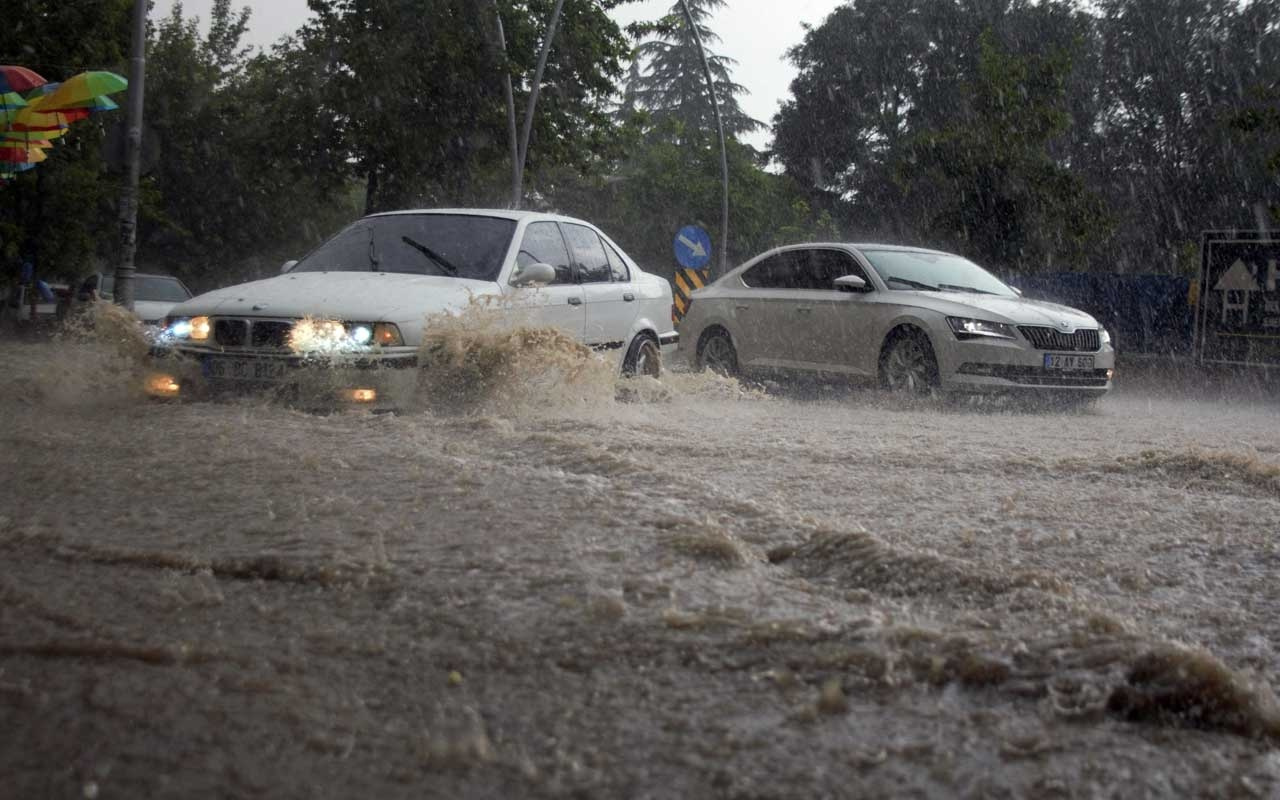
(628, 297)
(741, 308)
(575, 301)
(804, 310)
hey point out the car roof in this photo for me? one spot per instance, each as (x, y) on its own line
(901, 248)
(501, 213)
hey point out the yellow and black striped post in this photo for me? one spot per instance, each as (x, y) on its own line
(685, 282)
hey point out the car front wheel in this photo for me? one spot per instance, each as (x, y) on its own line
(908, 365)
(644, 357)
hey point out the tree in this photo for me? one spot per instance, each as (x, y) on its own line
(62, 213)
(941, 121)
(245, 179)
(667, 78)
(414, 92)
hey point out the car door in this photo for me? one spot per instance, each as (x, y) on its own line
(610, 305)
(789, 335)
(558, 304)
(842, 320)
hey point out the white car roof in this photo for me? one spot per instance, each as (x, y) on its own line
(500, 213)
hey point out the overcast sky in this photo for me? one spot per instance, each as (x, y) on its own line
(755, 33)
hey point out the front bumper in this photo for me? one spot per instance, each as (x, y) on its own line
(996, 366)
(378, 380)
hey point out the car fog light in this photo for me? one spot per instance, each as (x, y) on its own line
(362, 395)
(161, 385)
(1110, 373)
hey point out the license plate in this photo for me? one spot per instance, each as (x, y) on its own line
(244, 369)
(1054, 361)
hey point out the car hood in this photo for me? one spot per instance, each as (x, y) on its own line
(352, 296)
(152, 310)
(1012, 310)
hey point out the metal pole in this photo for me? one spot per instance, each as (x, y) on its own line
(133, 157)
(509, 96)
(518, 192)
(724, 156)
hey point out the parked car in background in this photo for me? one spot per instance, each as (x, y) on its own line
(153, 295)
(917, 321)
(358, 306)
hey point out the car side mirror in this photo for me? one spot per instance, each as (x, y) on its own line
(288, 266)
(1016, 290)
(851, 283)
(534, 273)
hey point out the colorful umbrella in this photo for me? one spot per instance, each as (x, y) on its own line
(11, 100)
(19, 79)
(82, 87)
(22, 155)
(10, 137)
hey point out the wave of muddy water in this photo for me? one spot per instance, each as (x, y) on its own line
(690, 591)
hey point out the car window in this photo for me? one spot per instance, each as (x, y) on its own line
(917, 269)
(449, 245)
(159, 289)
(588, 251)
(543, 244)
(617, 264)
(827, 265)
(778, 271)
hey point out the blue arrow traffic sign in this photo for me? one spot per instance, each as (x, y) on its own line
(693, 247)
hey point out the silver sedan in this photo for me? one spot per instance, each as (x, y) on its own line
(916, 321)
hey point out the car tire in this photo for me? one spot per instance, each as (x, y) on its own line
(716, 353)
(908, 365)
(644, 357)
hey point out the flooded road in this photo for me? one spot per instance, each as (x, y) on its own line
(695, 591)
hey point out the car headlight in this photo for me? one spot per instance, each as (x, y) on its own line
(194, 328)
(965, 328)
(327, 335)
(1104, 336)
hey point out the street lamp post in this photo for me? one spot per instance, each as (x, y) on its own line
(724, 156)
(133, 157)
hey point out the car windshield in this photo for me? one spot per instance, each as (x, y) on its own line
(153, 288)
(451, 245)
(914, 269)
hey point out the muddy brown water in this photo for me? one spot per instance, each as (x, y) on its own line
(691, 590)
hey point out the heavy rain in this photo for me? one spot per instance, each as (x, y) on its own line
(800, 506)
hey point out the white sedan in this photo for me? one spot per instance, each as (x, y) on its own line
(362, 300)
(915, 320)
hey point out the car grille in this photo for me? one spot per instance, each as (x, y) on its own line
(1084, 340)
(230, 332)
(257, 334)
(1037, 376)
(271, 333)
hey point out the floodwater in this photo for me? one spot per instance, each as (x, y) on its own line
(685, 589)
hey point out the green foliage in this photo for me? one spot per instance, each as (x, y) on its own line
(61, 214)
(668, 182)
(414, 90)
(245, 180)
(1039, 135)
(669, 81)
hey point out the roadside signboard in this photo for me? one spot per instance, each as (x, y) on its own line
(684, 285)
(1238, 319)
(693, 247)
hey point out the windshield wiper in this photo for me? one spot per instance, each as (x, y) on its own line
(970, 289)
(911, 283)
(439, 260)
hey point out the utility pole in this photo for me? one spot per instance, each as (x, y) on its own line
(517, 198)
(509, 96)
(133, 158)
(724, 156)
